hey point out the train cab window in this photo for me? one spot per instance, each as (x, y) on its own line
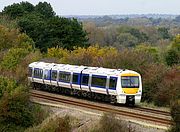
(46, 74)
(85, 79)
(112, 82)
(64, 76)
(53, 75)
(30, 72)
(130, 81)
(99, 81)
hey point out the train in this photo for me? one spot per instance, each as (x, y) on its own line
(119, 86)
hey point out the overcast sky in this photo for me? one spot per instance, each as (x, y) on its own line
(107, 7)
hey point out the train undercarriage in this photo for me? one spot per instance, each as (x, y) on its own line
(75, 92)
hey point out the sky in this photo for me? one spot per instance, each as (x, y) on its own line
(107, 7)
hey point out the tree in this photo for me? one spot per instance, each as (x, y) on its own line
(140, 36)
(153, 51)
(46, 29)
(172, 57)
(34, 25)
(55, 31)
(163, 33)
(18, 9)
(45, 9)
(14, 105)
(13, 57)
(13, 38)
(7, 22)
(127, 40)
(173, 54)
(176, 43)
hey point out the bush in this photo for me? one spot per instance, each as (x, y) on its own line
(13, 57)
(152, 75)
(175, 113)
(168, 88)
(7, 22)
(16, 111)
(63, 124)
(56, 124)
(172, 57)
(6, 85)
(18, 65)
(103, 57)
(109, 123)
(11, 38)
(15, 108)
(21, 70)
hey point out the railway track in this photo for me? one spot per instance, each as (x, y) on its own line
(103, 108)
(165, 113)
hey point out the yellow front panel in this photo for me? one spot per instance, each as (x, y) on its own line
(130, 90)
(129, 74)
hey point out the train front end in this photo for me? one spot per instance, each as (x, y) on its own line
(130, 91)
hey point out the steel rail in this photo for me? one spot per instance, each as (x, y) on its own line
(103, 108)
(150, 110)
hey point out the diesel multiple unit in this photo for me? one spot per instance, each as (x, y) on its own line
(113, 85)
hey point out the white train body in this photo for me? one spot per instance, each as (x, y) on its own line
(124, 85)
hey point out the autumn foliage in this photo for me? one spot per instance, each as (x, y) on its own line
(152, 51)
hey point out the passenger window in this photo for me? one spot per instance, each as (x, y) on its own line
(38, 73)
(75, 78)
(54, 75)
(85, 79)
(46, 76)
(35, 72)
(113, 82)
(64, 76)
(99, 81)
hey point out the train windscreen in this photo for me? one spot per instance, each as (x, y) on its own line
(130, 81)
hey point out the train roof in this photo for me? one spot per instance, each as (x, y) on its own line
(67, 67)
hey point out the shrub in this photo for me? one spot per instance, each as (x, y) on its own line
(21, 71)
(19, 65)
(172, 57)
(168, 88)
(6, 85)
(56, 124)
(16, 111)
(175, 113)
(13, 57)
(57, 52)
(92, 56)
(152, 75)
(63, 124)
(14, 108)
(11, 38)
(109, 123)
(7, 22)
